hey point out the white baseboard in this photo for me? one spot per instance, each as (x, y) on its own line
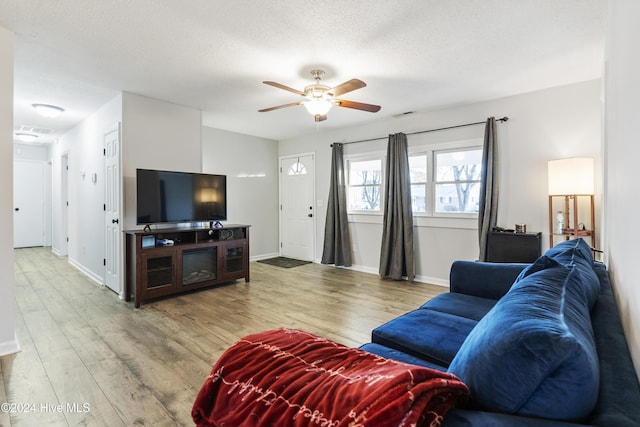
(9, 347)
(99, 280)
(363, 269)
(419, 279)
(432, 281)
(264, 256)
(370, 270)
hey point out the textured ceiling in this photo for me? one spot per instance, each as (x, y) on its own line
(213, 55)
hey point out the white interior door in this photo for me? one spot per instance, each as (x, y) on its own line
(28, 203)
(297, 213)
(112, 209)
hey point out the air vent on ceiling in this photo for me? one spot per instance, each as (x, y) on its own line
(35, 129)
(406, 113)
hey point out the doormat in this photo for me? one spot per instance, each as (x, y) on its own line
(284, 262)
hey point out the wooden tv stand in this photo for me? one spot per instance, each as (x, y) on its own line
(198, 257)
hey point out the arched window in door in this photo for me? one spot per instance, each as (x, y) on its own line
(297, 168)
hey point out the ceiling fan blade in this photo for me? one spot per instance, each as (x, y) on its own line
(290, 89)
(357, 105)
(347, 86)
(291, 104)
(320, 117)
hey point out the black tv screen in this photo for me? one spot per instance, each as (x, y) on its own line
(174, 197)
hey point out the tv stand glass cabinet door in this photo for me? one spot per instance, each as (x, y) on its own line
(158, 273)
(234, 259)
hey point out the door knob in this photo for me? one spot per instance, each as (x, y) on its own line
(310, 215)
(16, 209)
(114, 221)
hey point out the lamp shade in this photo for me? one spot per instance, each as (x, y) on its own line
(571, 176)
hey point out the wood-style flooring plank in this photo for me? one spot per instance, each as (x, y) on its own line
(82, 345)
(28, 387)
(5, 419)
(49, 313)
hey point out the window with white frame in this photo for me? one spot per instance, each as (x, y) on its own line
(364, 183)
(457, 180)
(419, 182)
(443, 182)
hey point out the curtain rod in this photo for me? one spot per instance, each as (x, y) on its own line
(503, 119)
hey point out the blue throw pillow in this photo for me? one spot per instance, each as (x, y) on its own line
(571, 250)
(540, 264)
(534, 353)
(578, 252)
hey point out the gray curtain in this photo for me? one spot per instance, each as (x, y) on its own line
(396, 253)
(337, 243)
(488, 211)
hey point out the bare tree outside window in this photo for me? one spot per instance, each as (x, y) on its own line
(464, 174)
(457, 180)
(443, 182)
(371, 193)
(365, 180)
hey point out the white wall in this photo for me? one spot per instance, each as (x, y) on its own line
(86, 231)
(251, 166)
(156, 135)
(30, 151)
(8, 341)
(160, 135)
(622, 154)
(544, 125)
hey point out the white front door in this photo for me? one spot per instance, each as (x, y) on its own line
(28, 203)
(297, 213)
(112, 209)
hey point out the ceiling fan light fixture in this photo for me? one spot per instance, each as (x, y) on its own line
(49, 111)
(318, 106)
(320, 98)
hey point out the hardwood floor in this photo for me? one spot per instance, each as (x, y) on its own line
(89, 358)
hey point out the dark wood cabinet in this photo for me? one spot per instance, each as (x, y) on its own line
(194, 258)
(507, 246)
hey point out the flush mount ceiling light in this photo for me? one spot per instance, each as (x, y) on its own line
(26, 137)
(47, 110)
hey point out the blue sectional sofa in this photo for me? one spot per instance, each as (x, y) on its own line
(537, 344)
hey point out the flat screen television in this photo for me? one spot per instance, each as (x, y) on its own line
(175, 197)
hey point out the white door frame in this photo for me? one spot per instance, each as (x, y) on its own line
(280, 218)
(63, 249)
(48, 204)
(118, 262)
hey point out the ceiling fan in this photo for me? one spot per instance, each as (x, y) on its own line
(320, 98)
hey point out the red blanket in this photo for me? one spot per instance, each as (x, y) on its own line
(288, 377)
